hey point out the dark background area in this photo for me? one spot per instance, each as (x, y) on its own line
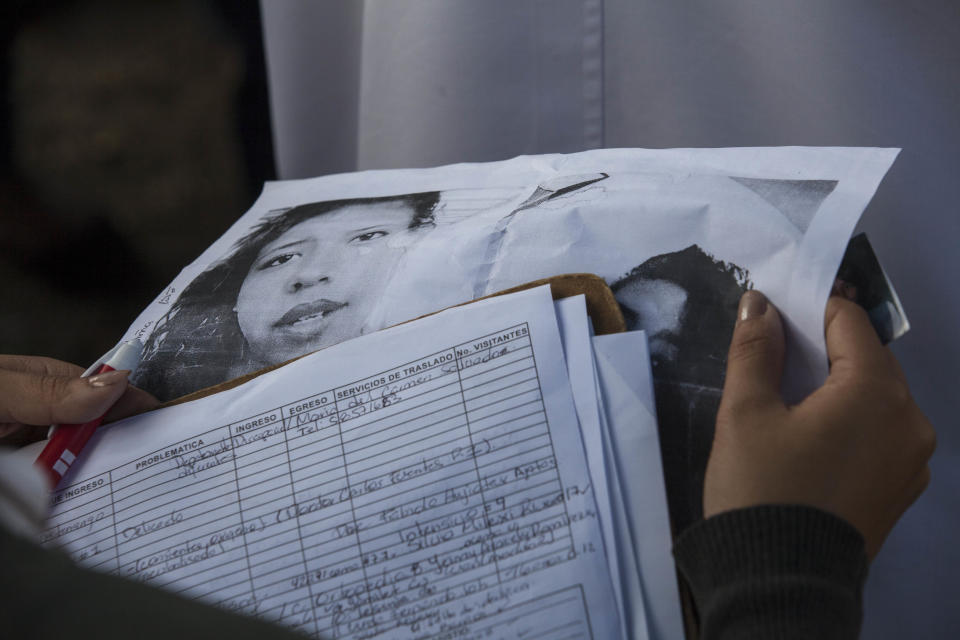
(133, 134)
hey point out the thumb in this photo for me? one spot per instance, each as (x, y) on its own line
(755, 359)
(36, 398)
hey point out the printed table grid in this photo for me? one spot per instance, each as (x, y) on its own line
(314, 515)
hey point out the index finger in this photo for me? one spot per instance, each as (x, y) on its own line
(852, 341)
(39, 399)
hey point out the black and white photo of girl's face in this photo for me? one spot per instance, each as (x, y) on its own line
(317, 283)
(657, 307)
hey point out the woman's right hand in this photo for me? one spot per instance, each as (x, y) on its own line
(858, 447)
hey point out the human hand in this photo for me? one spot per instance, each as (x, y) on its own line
(857, 447)
(36, 392)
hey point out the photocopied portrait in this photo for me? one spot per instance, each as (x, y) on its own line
(686, 301)
(301, 279)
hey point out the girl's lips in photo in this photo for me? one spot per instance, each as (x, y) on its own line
(308, 311)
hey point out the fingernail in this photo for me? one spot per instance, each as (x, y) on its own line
(109, 378)
(752, 304)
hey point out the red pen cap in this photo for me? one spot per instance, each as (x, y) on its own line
(67, 440)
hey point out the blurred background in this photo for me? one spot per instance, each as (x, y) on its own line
(133, 133)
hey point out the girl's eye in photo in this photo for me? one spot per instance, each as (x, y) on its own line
(368, 236)
(276, 261)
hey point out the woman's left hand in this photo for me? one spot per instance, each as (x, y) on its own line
(36, 392)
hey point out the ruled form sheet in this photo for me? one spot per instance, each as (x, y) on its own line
(423, 481)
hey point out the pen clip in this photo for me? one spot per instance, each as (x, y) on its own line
(129, 359)
(110, 355)
(92, 369)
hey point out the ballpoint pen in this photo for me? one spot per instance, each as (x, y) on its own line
(67, 440)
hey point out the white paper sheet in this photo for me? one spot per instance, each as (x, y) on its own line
(424, 479)
(578, 350)
(623, 367)
(776, 218)
(635, 620)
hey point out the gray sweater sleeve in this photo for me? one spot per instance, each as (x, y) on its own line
(775, 571)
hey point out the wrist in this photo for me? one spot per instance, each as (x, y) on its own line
(775, 567)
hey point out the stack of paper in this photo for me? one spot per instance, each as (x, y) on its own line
(677, 234)
(465, 475)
